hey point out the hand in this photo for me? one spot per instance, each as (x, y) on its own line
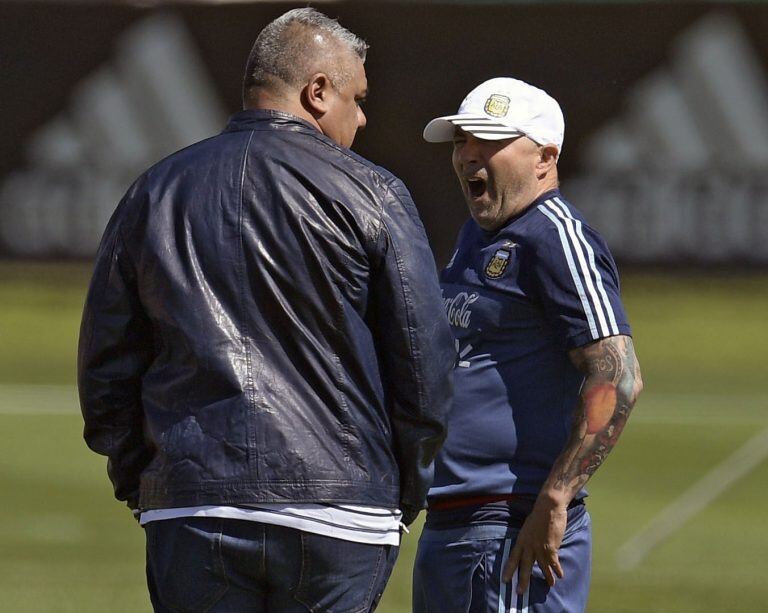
(539, 541)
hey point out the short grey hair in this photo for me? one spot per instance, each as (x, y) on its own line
(286, 51)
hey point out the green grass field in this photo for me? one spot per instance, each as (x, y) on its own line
(66, 545)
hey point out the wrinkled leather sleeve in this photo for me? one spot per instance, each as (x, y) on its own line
(114, 351)
(415, 346)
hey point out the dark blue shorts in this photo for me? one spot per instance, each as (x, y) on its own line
(458, 569)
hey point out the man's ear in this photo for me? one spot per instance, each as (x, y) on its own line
(316, 94)
(547, 159)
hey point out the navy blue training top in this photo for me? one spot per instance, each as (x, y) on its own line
(518, 299)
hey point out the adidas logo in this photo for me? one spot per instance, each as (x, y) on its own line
(680, 175)
(151, 99)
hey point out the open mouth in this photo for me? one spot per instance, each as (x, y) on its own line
(476, 187)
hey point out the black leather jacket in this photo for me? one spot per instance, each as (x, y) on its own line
(264, 324)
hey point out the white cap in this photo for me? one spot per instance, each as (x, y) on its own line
(503, 108)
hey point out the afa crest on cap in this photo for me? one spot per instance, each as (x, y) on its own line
(497, 105)
(503, 108)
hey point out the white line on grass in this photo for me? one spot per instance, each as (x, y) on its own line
(679, 408)
(46, 399)
(723, 396)
(700, 418)
(38, 399)
(693, 500)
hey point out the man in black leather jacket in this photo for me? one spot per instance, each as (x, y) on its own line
(264, 357)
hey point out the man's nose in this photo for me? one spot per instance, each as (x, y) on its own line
(361, 119)
(468, 152)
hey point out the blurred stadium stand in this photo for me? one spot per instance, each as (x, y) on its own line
(666, 106)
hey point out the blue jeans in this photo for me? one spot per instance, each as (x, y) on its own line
(197, 564)
(458, 570)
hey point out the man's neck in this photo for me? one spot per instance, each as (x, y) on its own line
(267, 101)
(547, 184)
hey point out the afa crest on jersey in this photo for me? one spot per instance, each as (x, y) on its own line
(498, 263)
(497, 105)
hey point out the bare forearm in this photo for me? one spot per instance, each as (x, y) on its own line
(609, 392)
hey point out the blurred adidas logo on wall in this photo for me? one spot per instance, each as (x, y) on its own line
(682, 175)
(153, 98)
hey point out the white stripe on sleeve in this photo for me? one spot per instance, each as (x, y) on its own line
(571, 223)
(572, 266)
(598, 276)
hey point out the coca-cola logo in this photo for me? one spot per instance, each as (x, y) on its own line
(457, 308)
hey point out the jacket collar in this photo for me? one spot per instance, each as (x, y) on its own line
(253, 118)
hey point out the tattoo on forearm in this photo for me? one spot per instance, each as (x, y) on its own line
(610, 389)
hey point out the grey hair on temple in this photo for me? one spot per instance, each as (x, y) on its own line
(298, 44)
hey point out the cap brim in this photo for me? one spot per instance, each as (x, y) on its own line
(439, 130)
(442, 129)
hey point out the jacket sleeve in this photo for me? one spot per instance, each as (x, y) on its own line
(415, 346)
(114, 351)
